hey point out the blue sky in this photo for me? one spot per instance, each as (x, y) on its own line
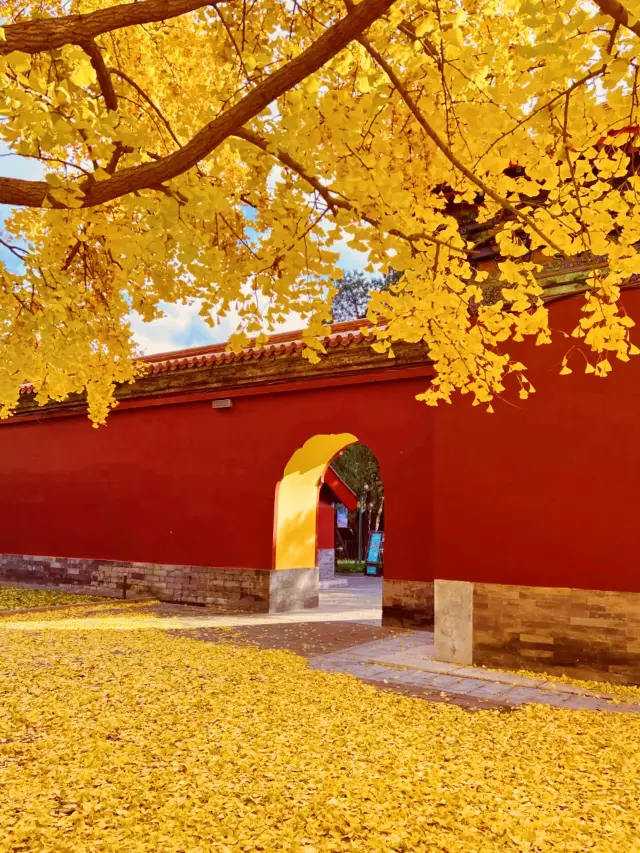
(181, 326)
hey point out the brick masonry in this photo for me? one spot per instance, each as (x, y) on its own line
(585, 632)
(255, 590)
(407, 604)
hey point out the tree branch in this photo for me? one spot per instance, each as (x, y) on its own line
(44, 34)
(619, 14)
(287, 160)
(146, 98)
(104, 80)
(575, 85)
(333, 202)
(18, 251)
(331, 42)
(442, 146)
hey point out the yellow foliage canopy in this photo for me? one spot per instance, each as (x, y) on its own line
(219, 151)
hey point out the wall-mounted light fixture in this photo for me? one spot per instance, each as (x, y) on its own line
(222, 404)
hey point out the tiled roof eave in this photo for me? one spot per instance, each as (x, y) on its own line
(287, 345)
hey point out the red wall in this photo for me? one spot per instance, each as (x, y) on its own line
(545, 492)
(326, 534)
(186, 484)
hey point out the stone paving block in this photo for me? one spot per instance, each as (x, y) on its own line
(629, 709)
(519, 695)
(459, 686)
(339, 659)
(446, 682)
(364, 670)
(410, 657)
(552, 686)
(587, 703)
(418, 663)
(485, 689)
(378, 673)
(440, 667)
(546, 698)
(336, 667)
(499, 677)
(365, 651)
(418, 640)
(416, 678)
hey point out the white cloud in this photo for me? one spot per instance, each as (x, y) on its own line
(350, 259)
(183, 327)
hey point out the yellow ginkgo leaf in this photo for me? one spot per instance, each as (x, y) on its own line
(84, 75)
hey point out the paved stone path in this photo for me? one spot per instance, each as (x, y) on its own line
(408, 659)
(345, 635)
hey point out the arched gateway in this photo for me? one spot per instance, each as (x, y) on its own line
(523, 523)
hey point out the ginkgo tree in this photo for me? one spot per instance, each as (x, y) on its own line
(221, 150)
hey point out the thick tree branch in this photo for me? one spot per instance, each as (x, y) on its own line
(104, 80)
(21, 193)
(147, 175)
(619, 14)
(48, 33)
(442, 146)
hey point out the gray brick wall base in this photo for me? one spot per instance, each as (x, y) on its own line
(254, 590)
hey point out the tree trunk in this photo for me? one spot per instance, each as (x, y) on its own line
(379, 513)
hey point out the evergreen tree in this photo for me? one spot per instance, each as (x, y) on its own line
(354, 289)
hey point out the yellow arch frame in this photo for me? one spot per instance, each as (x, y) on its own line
(297, 500)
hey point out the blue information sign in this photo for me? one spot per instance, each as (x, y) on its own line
(373, 564)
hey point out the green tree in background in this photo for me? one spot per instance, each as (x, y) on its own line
(354, 290)
(359, 469)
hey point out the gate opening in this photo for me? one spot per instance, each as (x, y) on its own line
(330, 509)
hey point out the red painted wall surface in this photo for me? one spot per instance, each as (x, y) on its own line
(177, 484)
(545, 492)
(326, 525)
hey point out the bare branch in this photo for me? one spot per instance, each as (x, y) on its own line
(18, 251)
(567, 153)
(287, 160)
(233, 41)
(147, 175)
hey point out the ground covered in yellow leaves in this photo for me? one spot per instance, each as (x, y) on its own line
(18, 598)
(142, 741)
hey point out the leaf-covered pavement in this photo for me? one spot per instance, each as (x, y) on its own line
(140, 741)
(17, 598)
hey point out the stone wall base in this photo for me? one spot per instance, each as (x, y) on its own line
(583, 633)
(255, 590)
(407, 604)
(327, 563)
